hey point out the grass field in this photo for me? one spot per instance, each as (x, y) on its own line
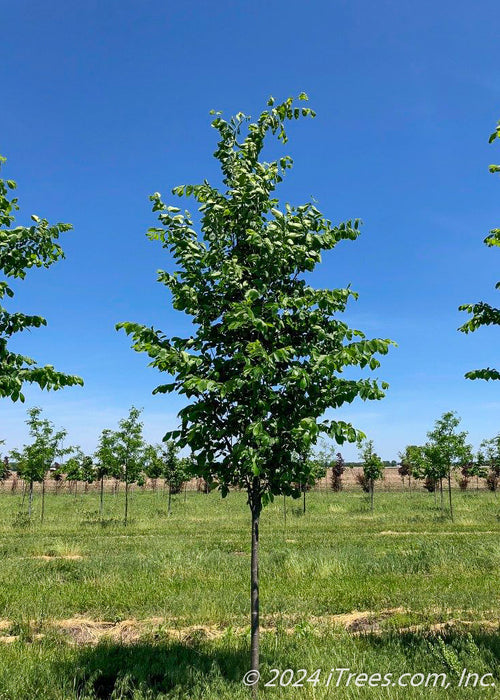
(159, 609)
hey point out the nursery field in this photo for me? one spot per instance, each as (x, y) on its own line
(90, 608)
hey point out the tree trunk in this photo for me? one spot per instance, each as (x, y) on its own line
(449, 493)
(304, 500)
(30, 501)
(284, 515)
(43, 500)
(101, 497)
(371, 494)
(255, 502)
(76, 488)
(185, 492)
(126, 501)
(169, 512)
(441, 491)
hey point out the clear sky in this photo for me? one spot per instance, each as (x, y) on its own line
(106, 102)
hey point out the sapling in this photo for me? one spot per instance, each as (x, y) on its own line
(265, 357)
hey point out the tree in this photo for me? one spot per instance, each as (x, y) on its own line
(267, 351)
(106, 459)
(484, 314)
(35, 459)
(73, 468)
(329, 459)
(153, 463)
(22, 248)
(4, 466)
(410, 462)
(447, 449)
(88, 471)
(338, 470)
(173, 472)
(373, 467)
(80, 467)
(492, 460)
(129, 451)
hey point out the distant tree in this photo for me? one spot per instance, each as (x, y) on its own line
(88, 471)
(491, 449)
(267, 352)
(410, 463)
(129, 452)
(80, 467)
(174, 471)
(153, 463)
(73, 468)
(35, 459)
(4, 466)
(484, 314)
(447, 449)
(338, 469)
(22, 248)
(373, 467)
(472, 468)
(403, 471)
(106, 462)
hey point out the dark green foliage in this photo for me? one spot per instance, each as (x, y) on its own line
(484, 314)
(267, 352)
(22, 248)
(373, 467)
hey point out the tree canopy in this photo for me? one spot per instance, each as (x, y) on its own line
(267, 353)
(266, 358)
(21, 248)
(483, 314)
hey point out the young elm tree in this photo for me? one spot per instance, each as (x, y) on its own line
(267, 352)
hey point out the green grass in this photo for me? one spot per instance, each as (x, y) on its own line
(192, 568)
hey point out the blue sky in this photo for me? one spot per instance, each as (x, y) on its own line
(104, 103)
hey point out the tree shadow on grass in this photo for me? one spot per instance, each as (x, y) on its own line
(154, 668)
(462, 644)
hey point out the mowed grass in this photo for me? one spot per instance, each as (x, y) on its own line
(402, 571)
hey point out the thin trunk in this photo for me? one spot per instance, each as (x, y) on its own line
(255, 501)
(441, 491)
(304, 501)
(185, 492)
(169, 500)
(30, 502)
(449, 493)
(76, 488)
(477, 482)
(284, 515)
(24, 494)
(43, 500)
(101, 497)
(371, 494)
(126, 498)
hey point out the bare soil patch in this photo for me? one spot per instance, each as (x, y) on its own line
(83, 631)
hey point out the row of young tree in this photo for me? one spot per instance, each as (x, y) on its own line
(445, 453)
(122, 455)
